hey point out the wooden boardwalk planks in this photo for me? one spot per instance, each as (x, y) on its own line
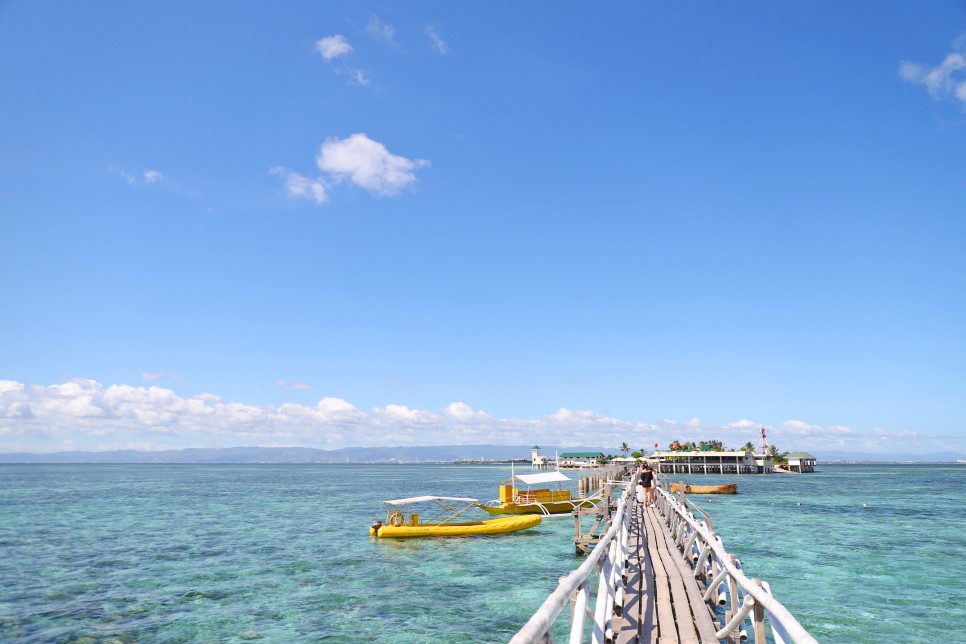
(635, 588)
(665, 603)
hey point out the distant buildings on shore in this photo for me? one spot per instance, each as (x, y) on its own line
(565, 461)
(736, 462)
(684, 462)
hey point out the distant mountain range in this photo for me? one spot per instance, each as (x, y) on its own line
(421, 454)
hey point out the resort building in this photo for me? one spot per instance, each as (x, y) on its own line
(764, 464)
(703, 462)
(575, 460)
(801, 462)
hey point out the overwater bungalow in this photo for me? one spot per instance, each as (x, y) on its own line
(801, 462)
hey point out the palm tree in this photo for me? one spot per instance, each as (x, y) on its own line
(624, 448)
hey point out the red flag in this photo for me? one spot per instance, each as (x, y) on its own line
(655, 444)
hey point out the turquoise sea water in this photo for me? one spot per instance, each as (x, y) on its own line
(281, 553)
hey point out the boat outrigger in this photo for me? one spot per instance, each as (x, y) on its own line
(727, 488)
(403, 522)
(541, 500)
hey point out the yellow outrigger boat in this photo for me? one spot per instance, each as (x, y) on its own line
(727, 488)
(542, 500)
(402, 522)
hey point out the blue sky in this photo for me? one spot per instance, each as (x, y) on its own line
(348, 223)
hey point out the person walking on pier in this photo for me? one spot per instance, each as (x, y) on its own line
(647, 481)
(641, 494)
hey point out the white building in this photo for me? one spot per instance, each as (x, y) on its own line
(740, 462)
(537, 461)
(801, 462)
(575, 460)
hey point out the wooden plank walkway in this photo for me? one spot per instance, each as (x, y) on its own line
(664, 602)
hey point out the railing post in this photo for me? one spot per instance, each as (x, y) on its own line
(600, 612)
(733, 585)
(578, 612)
(758, 621)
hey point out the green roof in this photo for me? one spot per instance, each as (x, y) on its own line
(799, 455)
(581, 455)
(535, 447)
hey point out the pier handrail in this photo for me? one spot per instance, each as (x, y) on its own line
(575, 587)
(702, 546)
(720, 571)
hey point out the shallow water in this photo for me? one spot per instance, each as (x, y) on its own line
(281, 553)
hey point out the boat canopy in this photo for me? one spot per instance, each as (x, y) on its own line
(421, 499)
(542, 477)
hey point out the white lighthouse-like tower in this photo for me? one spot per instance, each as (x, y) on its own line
(537, 462)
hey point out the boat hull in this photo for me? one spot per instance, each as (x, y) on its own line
(728, 488)
(550, 507)
(461, 529)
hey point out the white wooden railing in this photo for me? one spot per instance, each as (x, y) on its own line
(608, 557)
(725, 582)
(721, 572)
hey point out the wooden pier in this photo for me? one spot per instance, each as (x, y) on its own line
(663, 600)
(663, 577)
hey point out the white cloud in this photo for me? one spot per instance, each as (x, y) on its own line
(883, 434)
(130, 179)
(334, 50)
(148, 176)
(463, 413)
(150, 376)
(381, 30)
(300, 186)
(945, 79)
(80, 413)
(405, 415)
(333, 46)
(744, 423)
(338, 410)
(11, 388)
(76, 399)
(802, 428)
(357, 159)
(437, 41)
(151, 406)
(14, 401)
(367, 164)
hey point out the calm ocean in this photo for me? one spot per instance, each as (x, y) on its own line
(281, 553)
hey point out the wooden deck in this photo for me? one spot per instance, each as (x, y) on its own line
(663, 599)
